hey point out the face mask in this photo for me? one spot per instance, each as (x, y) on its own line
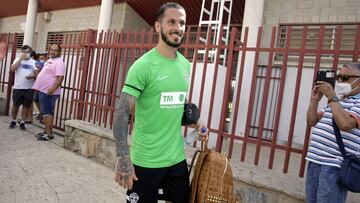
(343, 89)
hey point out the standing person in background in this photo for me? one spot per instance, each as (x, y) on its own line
(3, 47)
(39, 65)
(155, 167)
(48, 84)
(29, 117)
(324, 156)
(24, 68)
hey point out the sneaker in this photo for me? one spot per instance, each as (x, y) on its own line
(39, 134)
(45, 137)
(12, 124)
(22, 125)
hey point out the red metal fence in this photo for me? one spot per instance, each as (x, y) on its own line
(6, 76)
(283, 67)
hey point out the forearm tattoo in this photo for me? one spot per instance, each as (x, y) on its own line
(121, 123)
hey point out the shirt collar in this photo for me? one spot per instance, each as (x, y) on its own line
(357, 96)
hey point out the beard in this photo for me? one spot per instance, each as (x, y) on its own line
(168, 42)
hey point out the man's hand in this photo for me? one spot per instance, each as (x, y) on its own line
(51, 91)
(325, 89)
(125, 173)
(199, 126)
(316, 95)
(23, 56)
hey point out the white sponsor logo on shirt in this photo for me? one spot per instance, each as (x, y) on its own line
(172, 99)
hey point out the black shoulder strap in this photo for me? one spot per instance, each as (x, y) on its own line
(338, 138)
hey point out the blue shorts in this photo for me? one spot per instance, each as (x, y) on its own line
(36, 96)
(47, 103)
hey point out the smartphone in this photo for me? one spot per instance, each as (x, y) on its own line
(326, 76)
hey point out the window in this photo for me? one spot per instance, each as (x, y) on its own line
(20, 40)
(348, 39)
(74, 38)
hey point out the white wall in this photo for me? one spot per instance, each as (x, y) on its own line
(124, 17)
(218, 97)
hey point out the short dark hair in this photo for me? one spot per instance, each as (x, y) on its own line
(34, 55)
(26, 47)
(160, 13)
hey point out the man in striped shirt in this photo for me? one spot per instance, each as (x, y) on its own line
(323, 154)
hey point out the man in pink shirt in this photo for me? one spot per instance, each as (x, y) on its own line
(48, 84)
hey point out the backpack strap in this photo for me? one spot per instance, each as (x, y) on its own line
(201, 155)
(339, 139)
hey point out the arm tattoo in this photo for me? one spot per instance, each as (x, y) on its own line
(121, 123)
(124, 166)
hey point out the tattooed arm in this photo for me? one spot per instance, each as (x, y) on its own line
(124, 171)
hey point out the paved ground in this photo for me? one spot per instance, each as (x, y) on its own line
(33, 171)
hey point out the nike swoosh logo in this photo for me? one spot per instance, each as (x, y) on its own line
(162, 77)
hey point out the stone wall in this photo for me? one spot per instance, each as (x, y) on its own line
(94, 142)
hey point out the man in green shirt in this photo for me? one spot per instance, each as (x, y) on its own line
(155, 167)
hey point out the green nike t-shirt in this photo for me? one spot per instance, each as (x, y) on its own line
(160, 85)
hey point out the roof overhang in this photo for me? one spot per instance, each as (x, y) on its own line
(145, 8)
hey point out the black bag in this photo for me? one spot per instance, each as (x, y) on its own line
(349, 174)
(191, 114)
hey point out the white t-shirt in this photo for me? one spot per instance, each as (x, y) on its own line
(26, 68)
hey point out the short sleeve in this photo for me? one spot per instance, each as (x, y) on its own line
(60, 68)
(135, 80)
(16, 60)
(355, 113)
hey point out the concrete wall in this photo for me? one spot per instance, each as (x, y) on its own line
(309, 11)
(252, 184)
(124, 17)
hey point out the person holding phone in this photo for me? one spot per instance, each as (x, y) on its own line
(24, 68)
(323, 154)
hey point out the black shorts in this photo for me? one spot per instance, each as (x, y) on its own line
(23, 97)
(153, 184)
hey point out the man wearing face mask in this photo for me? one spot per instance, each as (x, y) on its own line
(323, 154)
(24, 68)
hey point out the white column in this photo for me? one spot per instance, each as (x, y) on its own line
(253, 16)
(106, 12)
(30, 22)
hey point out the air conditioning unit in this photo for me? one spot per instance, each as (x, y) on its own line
(47, 16)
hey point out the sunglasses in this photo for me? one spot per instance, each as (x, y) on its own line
(346, 77)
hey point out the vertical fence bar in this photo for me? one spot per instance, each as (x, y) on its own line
(68, 84)
(11, 74)
(102, 77)
(296, 99)
(60, 102)
(339, 30)
(74, 86)
(84, 78)
(110, 81)
(252, 95)
(229, 73)
(193, 70)
(308, 128)
(117, 75)
(265, 96)
(213, 87)
(238, 93)
(356, 45)
(281, 95)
